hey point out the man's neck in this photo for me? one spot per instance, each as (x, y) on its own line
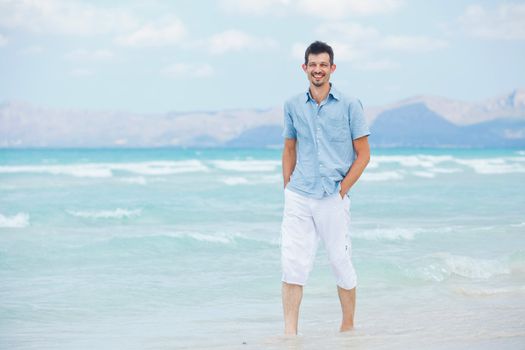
(319, 93)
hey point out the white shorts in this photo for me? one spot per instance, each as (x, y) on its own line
(305, 222)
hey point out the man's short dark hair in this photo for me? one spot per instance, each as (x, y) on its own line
(318, 47)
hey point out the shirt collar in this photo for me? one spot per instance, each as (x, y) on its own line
(333, 93)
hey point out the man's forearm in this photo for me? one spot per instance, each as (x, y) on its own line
(288, 162)
(353, 174)
(355, 171)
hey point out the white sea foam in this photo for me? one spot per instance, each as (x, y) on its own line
(382, 176)
(101, 170)
(233, 181)
(389, 234)
(492, 166)
(373, 164)
(139, 180)
(446, 170)
(425, 174)
(274, 178)
(440, 266)
(424, 161)
(161, 167)
(106, 214)
(487, 292)
(221, 237)
(515, 159)
(209, 238)
(18, 220)
(247, 165)
(77, 170)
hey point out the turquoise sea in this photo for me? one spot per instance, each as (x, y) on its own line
(179, 248)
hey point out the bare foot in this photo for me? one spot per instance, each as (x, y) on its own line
(346, 328)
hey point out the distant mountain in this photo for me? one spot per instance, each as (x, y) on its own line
(416, 125)
(413, 125)
(421, 121)
(463, 113)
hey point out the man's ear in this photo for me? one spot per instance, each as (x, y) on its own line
(332, 68)
(304, 67)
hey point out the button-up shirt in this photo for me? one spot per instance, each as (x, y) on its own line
(324, 134)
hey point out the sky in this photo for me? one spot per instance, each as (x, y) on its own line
(161, 56)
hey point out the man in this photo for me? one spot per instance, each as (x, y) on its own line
(325, 151)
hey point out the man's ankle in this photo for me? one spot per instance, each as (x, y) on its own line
(347, 326)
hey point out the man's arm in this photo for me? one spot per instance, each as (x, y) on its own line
(362, 151)
(289, 159)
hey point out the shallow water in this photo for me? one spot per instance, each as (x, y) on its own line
(165, 249)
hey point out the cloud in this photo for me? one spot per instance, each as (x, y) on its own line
(32, 50)
(63, 17)
(365, 39)
(360, 44)
(168, 31)
(86, 55)
(81, 73)
(360, 60)
(176, 70)
(506, 22)
(324, 9)
(334, 9)
(3, 40)
(235, 40)
(377, 65)
(254, 7)
(412, 43)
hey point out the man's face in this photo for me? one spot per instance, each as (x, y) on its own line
(318, 69)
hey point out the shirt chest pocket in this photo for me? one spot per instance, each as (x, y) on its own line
(302, 127)
(337, 128)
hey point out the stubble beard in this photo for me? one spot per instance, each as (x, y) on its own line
(318, 83)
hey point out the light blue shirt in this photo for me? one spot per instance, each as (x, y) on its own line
(324, 134)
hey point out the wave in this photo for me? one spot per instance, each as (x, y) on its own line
(441, 266)
(18, 220)
(162, 167)
(183, 242)
(441, 164)
(139, 180)
(425, 174)
(420, 160)
(487, 292)
(247, 165)
(233, 181)
(104, 170)
(239, 180)
(79, 170)
(492, 165)
(391, 234)
(447, 170)
(106, 214)
(382, 176)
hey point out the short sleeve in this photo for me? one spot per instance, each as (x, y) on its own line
(358, 125)
(289, 131)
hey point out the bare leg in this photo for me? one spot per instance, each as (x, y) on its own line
(292, 295)
(347, 299)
